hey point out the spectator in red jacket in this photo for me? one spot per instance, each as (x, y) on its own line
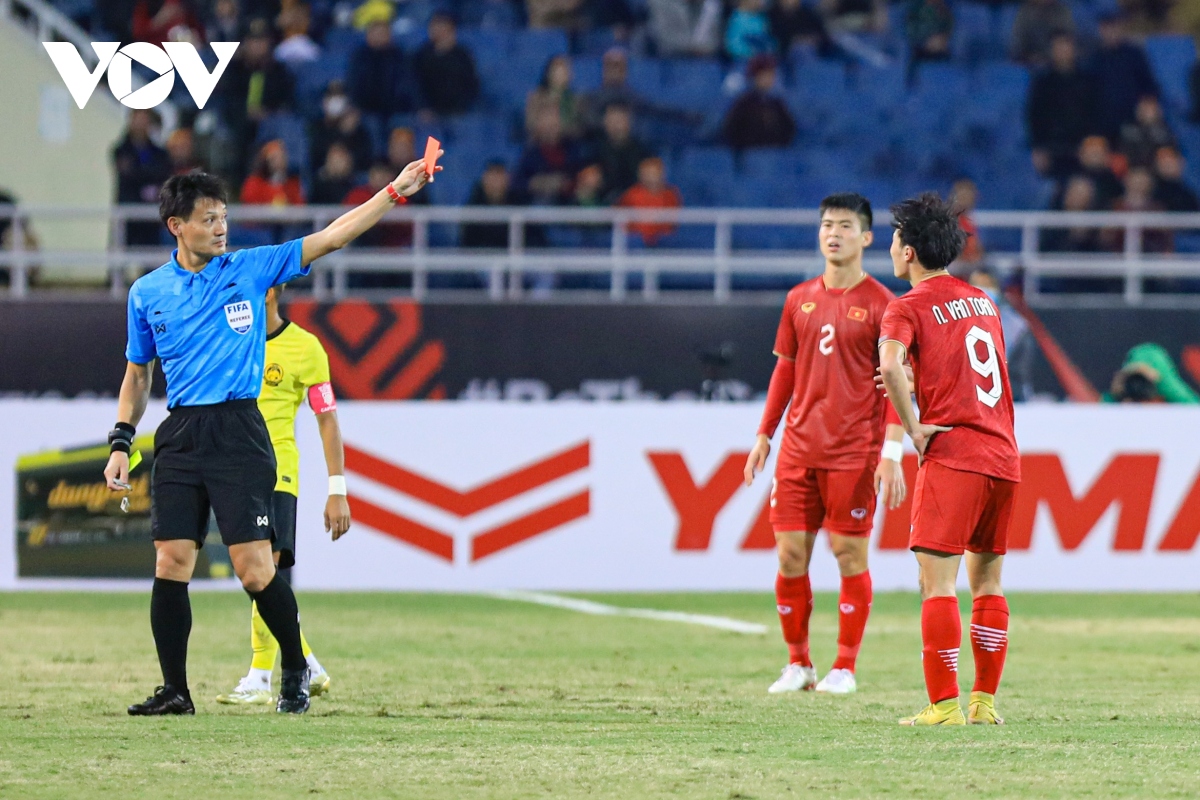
(158, 21)
(271, 182)
(651, 191)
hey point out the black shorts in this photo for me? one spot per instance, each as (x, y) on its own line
(283, 528)
(217, 457)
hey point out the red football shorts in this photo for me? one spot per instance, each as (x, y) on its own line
(955, 511)
(838, 500)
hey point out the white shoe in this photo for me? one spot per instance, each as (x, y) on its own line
(794, 678)
(247, 693)
(838, 681)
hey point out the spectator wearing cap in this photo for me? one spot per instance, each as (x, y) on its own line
(445, 69)
(651, 191)
(1123, 74)
(341, 122)
(748, 32)
(617, 151)
(1170, 189)
(1037, 23)
(554, 92)
(1060, 108)
(296, 46)
(686, 28)
(271, 182)
(758, 118)
(379, 81)
(1145, 133)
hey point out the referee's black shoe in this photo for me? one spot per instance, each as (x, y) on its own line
(293, 694)
(166, 700)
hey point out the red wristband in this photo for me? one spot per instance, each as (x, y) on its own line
(397, 198)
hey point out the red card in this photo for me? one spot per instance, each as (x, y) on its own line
(432, 146)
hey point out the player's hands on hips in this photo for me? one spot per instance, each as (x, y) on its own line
(758, 458)
(116, 472)
(889, 483)
(908, 373)
(337, 515)
(922, 434)
(414, 177)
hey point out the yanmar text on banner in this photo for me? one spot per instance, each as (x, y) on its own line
(649, 496)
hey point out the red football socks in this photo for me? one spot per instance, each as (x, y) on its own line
(989, 640)
(854, 606)
(793, 599)
(941, 633)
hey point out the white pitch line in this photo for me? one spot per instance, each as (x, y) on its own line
(604, 610)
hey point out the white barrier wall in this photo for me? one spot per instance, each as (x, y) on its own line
(470, 496)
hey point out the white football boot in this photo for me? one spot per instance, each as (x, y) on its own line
(248, 693)
(794, 678)
(838, 681)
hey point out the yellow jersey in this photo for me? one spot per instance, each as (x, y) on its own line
(296, 362)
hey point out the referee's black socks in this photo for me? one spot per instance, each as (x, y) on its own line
(171, 622)
(277, 607)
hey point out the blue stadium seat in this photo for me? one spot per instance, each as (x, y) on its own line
(1171, 57)
(291, 129)
(645, 77)
(342, 41)
(585, 73)
(311, 80)
(693, 84)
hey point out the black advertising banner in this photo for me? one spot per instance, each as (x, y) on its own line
(69, 525)
(398, 349)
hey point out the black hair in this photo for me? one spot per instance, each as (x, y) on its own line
(544, 81)
(929, 226)
(850, 201)
(178, 196)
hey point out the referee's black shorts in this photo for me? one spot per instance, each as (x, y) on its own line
(219, 457)
(283, 528)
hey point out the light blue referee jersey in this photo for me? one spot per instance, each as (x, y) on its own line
(209, 328)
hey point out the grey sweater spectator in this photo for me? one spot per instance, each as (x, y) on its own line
(1061, 108)
(1037, 23)
(1123, 74)
(446, 70)
(1146, 133)
(686, 27)
(379, 80)
(758, 118)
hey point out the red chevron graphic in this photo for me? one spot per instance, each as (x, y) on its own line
(464, 504)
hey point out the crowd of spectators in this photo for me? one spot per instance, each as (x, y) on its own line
(1095, 119)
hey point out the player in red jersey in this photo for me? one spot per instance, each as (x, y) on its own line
(970, 467)
(829, 469)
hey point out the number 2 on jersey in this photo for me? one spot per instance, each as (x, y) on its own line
(988, 368)
(826, 343)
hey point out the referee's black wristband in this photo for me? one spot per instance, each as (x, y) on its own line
(120, 438)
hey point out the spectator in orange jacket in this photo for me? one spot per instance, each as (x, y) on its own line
(270, 182)
(651, 191)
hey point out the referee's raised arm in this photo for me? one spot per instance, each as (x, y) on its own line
(357, 221)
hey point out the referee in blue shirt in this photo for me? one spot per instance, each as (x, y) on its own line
(203, 315)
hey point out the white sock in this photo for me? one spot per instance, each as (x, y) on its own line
(259, 676)
(314, 665)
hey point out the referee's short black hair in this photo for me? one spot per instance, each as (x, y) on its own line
(850, 201)
(929, 226)
(179, 194)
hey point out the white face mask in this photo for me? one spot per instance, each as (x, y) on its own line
(335, 105)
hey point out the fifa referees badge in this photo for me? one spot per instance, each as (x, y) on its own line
(893, 451)
(337, 485)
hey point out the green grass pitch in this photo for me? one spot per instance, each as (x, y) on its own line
(446, 696)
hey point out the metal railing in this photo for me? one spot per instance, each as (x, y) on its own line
(505, 269)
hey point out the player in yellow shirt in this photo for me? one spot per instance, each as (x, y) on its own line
(296, 367)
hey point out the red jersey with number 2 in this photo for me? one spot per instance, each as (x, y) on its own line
(836, 416)
(953, 336)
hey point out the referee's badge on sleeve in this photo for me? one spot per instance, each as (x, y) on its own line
(239, 315)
